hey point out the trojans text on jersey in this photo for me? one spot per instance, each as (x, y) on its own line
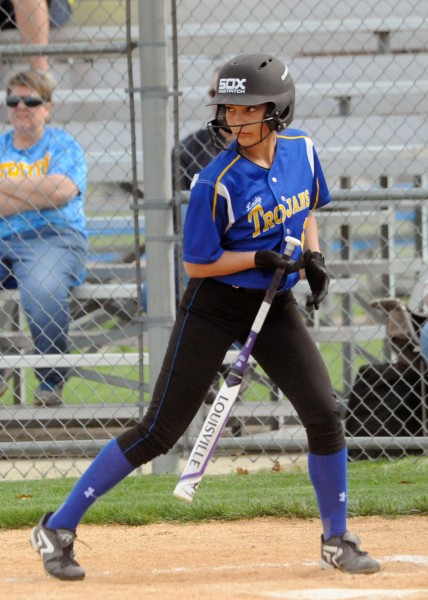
(264, 220)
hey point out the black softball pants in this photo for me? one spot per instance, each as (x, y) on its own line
(210, 318)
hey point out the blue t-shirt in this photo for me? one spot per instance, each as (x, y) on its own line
(236, 205)
(57, 152)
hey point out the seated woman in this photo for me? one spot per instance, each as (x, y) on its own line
(43, 239)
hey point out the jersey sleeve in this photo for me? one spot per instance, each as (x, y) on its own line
(203, 223)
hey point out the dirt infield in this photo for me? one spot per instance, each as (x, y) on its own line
(260, 558)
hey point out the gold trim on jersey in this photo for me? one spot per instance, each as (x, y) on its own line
(218, 180)
(317, 195)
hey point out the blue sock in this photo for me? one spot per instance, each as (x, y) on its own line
(329, 476)
(106, 470)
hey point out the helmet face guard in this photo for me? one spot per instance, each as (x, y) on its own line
(250, 80)
(219, 125)
(214, 129)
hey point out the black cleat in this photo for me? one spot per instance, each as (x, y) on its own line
(344, 553)
(55, 547)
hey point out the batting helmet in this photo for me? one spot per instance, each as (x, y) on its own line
(252, 79)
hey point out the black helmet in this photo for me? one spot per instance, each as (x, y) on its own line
(252, 79)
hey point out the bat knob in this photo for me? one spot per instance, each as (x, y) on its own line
(291, 243)
(292, 240)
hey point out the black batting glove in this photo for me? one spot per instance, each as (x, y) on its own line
(270, 261)
(317, 277)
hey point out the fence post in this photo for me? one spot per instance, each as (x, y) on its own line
(157, 193)
(387, 233)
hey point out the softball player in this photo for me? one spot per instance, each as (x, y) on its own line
(263, 187)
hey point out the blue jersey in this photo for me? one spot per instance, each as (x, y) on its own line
(236, 205)
(57, 152)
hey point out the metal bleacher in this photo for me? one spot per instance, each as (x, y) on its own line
(360, 73)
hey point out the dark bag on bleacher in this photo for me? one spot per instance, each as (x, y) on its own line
(385, 400)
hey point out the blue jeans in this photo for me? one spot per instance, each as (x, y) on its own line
(60, 12)
(44, 264)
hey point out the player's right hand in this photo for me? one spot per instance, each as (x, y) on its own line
(269, 260)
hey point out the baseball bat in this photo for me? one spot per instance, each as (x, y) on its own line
(220, 409)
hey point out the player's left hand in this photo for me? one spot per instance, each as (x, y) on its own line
(317, 277)
(270, 260)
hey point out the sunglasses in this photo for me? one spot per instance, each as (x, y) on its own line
(28, 101)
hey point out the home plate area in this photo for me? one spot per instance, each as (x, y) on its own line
(338, 594)
(261, 558)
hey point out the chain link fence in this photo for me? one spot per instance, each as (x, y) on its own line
(361, 74)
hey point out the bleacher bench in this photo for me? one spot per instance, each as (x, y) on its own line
(323, 36)
(111, 294)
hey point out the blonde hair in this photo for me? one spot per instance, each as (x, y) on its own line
(36, 81)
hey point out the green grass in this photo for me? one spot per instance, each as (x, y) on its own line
(332, 354)
(385, 488)
(107, 13)
(80, 391)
